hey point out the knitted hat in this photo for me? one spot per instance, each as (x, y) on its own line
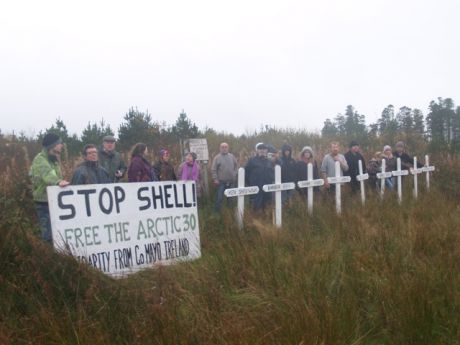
(353, 143)
(162, 152)
(305, 149)
(386, 147)
(400, 144)
(50, 140)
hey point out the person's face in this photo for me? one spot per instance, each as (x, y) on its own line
(262, 152)
(166, 157)
(335, 149)
(108, 145)
(189, 159)
(286, 153)
(355, 149)
(56, 150)
(387, 152)
(399, 149)
(146, 151)
(224, 148)
(91, 154)
(307, 155)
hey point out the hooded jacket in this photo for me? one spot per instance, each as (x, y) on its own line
(288, 165)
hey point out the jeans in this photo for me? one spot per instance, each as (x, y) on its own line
(43, 213)
(220, 195)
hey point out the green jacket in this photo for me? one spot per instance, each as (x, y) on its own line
(44, 172)
(112, 162)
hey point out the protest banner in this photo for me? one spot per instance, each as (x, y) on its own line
(124, 227)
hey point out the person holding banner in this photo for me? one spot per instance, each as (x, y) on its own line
(46, 171)
(140, 169)
(90, 172)
(190, 170)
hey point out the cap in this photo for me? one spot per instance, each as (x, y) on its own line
(109, 138)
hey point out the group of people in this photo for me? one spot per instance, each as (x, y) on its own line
(105, 165)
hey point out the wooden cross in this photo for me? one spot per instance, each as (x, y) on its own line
(240, 192)
(383, 176)
(427, 169)
(338, 181)
(361, 178)
(415, 171)
(277, 187)
(399, 173)
(310, 183)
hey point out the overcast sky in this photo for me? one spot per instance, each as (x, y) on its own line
(231, 65)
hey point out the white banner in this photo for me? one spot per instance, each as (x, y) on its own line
(124, 227)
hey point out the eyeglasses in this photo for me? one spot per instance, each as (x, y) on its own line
(92, 152)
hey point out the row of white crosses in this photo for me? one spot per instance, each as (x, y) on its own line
(241, 191)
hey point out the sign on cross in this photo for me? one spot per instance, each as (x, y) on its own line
(310, 183)
(338, 181)
(277, 187)
(240, 192)
(399, 173)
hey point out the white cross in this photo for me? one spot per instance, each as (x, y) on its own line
(383, 176)
(310, 183)
(338, 181)
(427, 169)
(240, 192)
(361, 177)
(277, 187)
(398, 172)
(415, 171)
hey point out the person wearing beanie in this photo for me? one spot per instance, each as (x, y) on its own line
(162, 168)
(353, 156)
(224, 171)
(46, 171)
(328, 165)
(90, 171)
(111, 160)
(190, 170)
(306, 156)
(288, 170)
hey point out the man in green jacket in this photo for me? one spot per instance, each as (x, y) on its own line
(111, 160)
(46, 171)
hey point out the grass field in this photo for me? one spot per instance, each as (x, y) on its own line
(381, 274)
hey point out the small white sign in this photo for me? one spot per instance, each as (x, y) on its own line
(428, 169)
(362, 177)
(310, 183)
(200, 147)
(278, 186)
(339, 179)
(382, 175)
(241, 191)
(416, 171)
(400, 172)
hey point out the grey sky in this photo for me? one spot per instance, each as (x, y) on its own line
(231, 65)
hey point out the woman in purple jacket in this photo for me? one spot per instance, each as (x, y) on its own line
(140, 169)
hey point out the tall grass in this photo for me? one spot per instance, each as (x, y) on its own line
(382, 274)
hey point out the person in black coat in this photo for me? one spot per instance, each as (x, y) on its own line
(259, 171)
(288, 170)
(90, 172)
(353, 156)
(407, 161)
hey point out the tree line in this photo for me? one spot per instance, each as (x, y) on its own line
(438, 132)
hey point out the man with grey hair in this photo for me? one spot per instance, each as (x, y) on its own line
(224, 169)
